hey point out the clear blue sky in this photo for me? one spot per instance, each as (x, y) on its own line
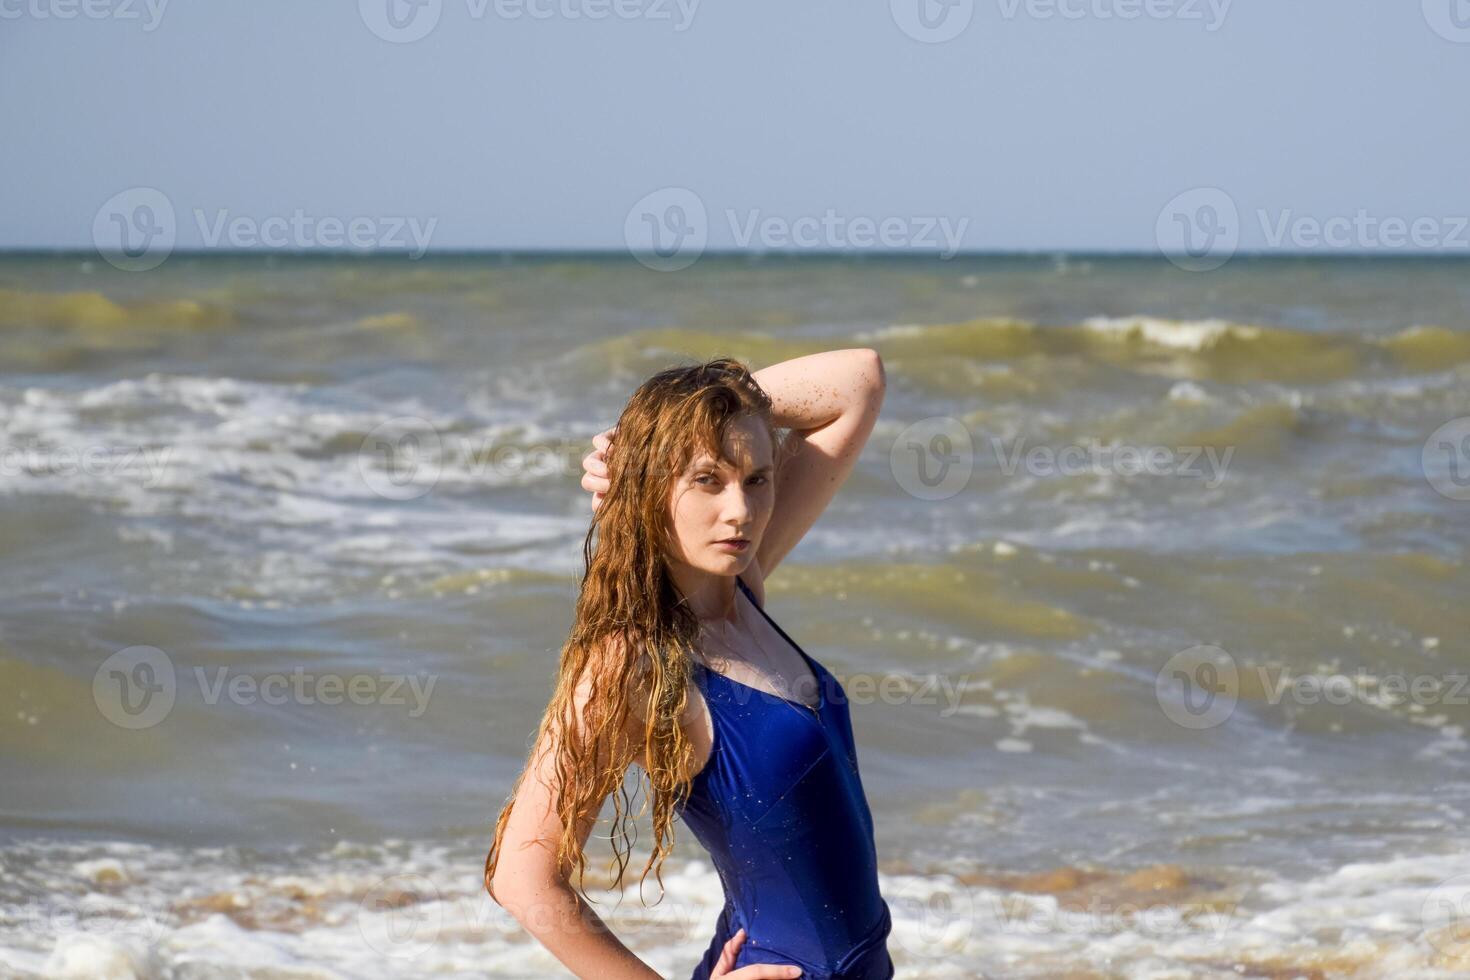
(1043, 126)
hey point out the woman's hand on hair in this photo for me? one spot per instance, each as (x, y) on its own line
(594, 466)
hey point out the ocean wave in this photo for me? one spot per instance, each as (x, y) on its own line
(92, 311)
(1206, 349)
(116, 911)
(214, 455)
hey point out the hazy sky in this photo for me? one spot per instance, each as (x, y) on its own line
(988, 124)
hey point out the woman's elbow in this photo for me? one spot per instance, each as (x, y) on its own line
(520, 890)
(871, 372)
(495, 888)
(509, 891)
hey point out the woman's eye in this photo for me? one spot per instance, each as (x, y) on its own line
(708, 479)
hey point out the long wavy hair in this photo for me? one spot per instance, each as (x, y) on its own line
(633, 631)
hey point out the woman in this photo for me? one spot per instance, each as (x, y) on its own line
(673, 663)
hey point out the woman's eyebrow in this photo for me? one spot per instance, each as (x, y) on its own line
(709, 464)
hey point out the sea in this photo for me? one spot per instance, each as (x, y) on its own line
(1149, 594)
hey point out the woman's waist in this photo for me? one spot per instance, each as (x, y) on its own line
(825, 946)
(810, 871)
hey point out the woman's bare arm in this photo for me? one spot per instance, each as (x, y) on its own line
(830, 401)
(539, 895)
(530, 886)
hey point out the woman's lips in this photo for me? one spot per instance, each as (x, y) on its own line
(734, 544)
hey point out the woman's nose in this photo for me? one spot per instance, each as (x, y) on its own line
(739, 509)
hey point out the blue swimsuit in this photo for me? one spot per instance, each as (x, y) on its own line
(781, 810)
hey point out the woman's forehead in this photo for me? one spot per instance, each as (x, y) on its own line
(740, 453)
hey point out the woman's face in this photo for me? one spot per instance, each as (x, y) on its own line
(714, 500)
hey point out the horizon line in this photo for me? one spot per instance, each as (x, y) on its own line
(850, 254)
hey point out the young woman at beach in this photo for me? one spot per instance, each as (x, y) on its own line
(673, 664)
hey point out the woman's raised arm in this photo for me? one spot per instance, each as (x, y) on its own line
(830, 401)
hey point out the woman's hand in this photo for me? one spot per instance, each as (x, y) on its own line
(594, 466)
(760, 971)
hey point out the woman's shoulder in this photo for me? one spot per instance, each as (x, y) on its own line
(609, 653)
(695, 718)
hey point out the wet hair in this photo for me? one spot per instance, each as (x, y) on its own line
(633, 631)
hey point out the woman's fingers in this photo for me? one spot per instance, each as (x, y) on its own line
(595, 463)
(726, 962)
(594, 467)
(725, 967)
(764, 971)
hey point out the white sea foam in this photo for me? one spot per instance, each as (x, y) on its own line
(214, 456)
(1191, 335)
(401, 909)
(1189, 393)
